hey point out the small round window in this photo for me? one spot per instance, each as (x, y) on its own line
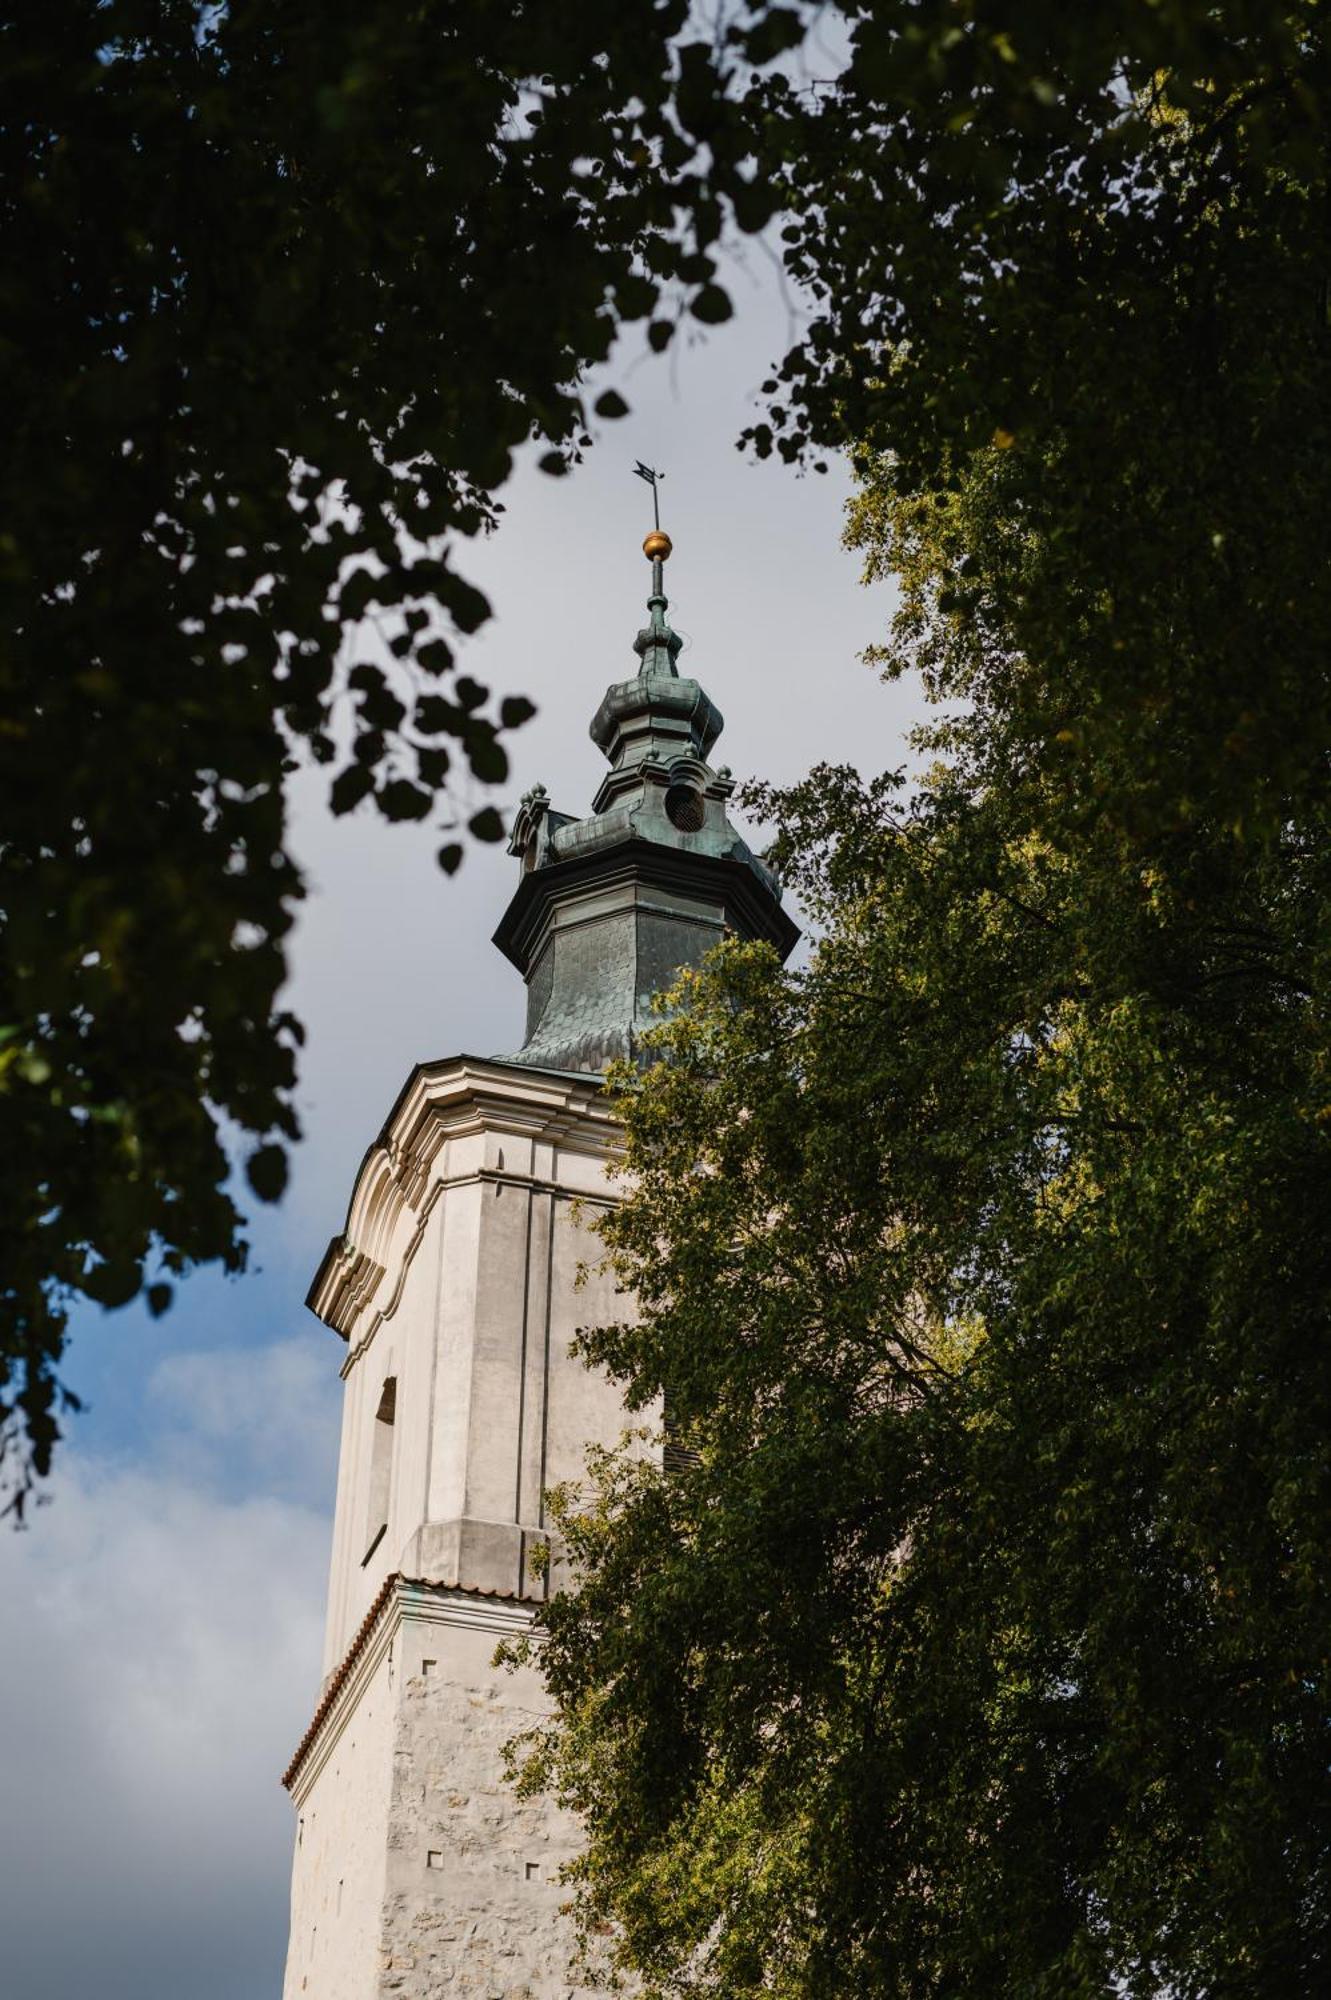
(686, 809)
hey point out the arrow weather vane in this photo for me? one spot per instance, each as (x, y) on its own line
(653, 478)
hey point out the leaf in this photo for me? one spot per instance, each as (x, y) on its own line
(635, 296)
(778, 30)
(515, 709)
(349, 787)
(753, 204)
(401, 799)
(449, 857)
(357, 593)
(436, 656)
(434, 715)
(711, 305)
(611, 404)
(266, 1171)
(113, 1283)
(488, 759)
(487, 824)
(380, 709)
(468, 607)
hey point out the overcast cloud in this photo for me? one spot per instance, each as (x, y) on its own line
(153, 1682)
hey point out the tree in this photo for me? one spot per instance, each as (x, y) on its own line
(286, 286)
(984, 1645)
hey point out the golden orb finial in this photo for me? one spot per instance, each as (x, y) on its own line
(657, 546)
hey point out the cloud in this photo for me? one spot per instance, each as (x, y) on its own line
(161, 1660)
(254, 1420)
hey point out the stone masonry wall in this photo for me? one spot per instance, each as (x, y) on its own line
(472, 1898)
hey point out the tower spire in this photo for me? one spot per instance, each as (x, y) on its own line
(611, 906)
(656, 645)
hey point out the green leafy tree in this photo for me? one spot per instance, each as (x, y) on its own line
(285, 287)
(982, 1647)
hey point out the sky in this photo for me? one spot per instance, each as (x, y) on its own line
(164, 1608)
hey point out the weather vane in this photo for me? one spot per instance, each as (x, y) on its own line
(657, 545)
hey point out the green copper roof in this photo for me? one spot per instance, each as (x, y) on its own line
(611, 906)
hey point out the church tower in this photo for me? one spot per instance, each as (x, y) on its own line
(453, 1288)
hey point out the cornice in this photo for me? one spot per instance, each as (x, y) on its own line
(735, 881)
(439, 1101)
(397, 1597)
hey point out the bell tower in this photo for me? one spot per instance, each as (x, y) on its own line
(453, 1287)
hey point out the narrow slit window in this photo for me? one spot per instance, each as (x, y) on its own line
(381, 1467)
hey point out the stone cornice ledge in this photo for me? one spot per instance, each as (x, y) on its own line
(398, 1597)
(439, 1101)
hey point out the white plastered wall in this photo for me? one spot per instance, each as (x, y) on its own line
(459, 1278)
(342, 1837)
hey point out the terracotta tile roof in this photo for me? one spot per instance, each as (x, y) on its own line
(338, 1679)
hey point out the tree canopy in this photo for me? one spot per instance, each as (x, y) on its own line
(285, 288)
(982, 1644)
